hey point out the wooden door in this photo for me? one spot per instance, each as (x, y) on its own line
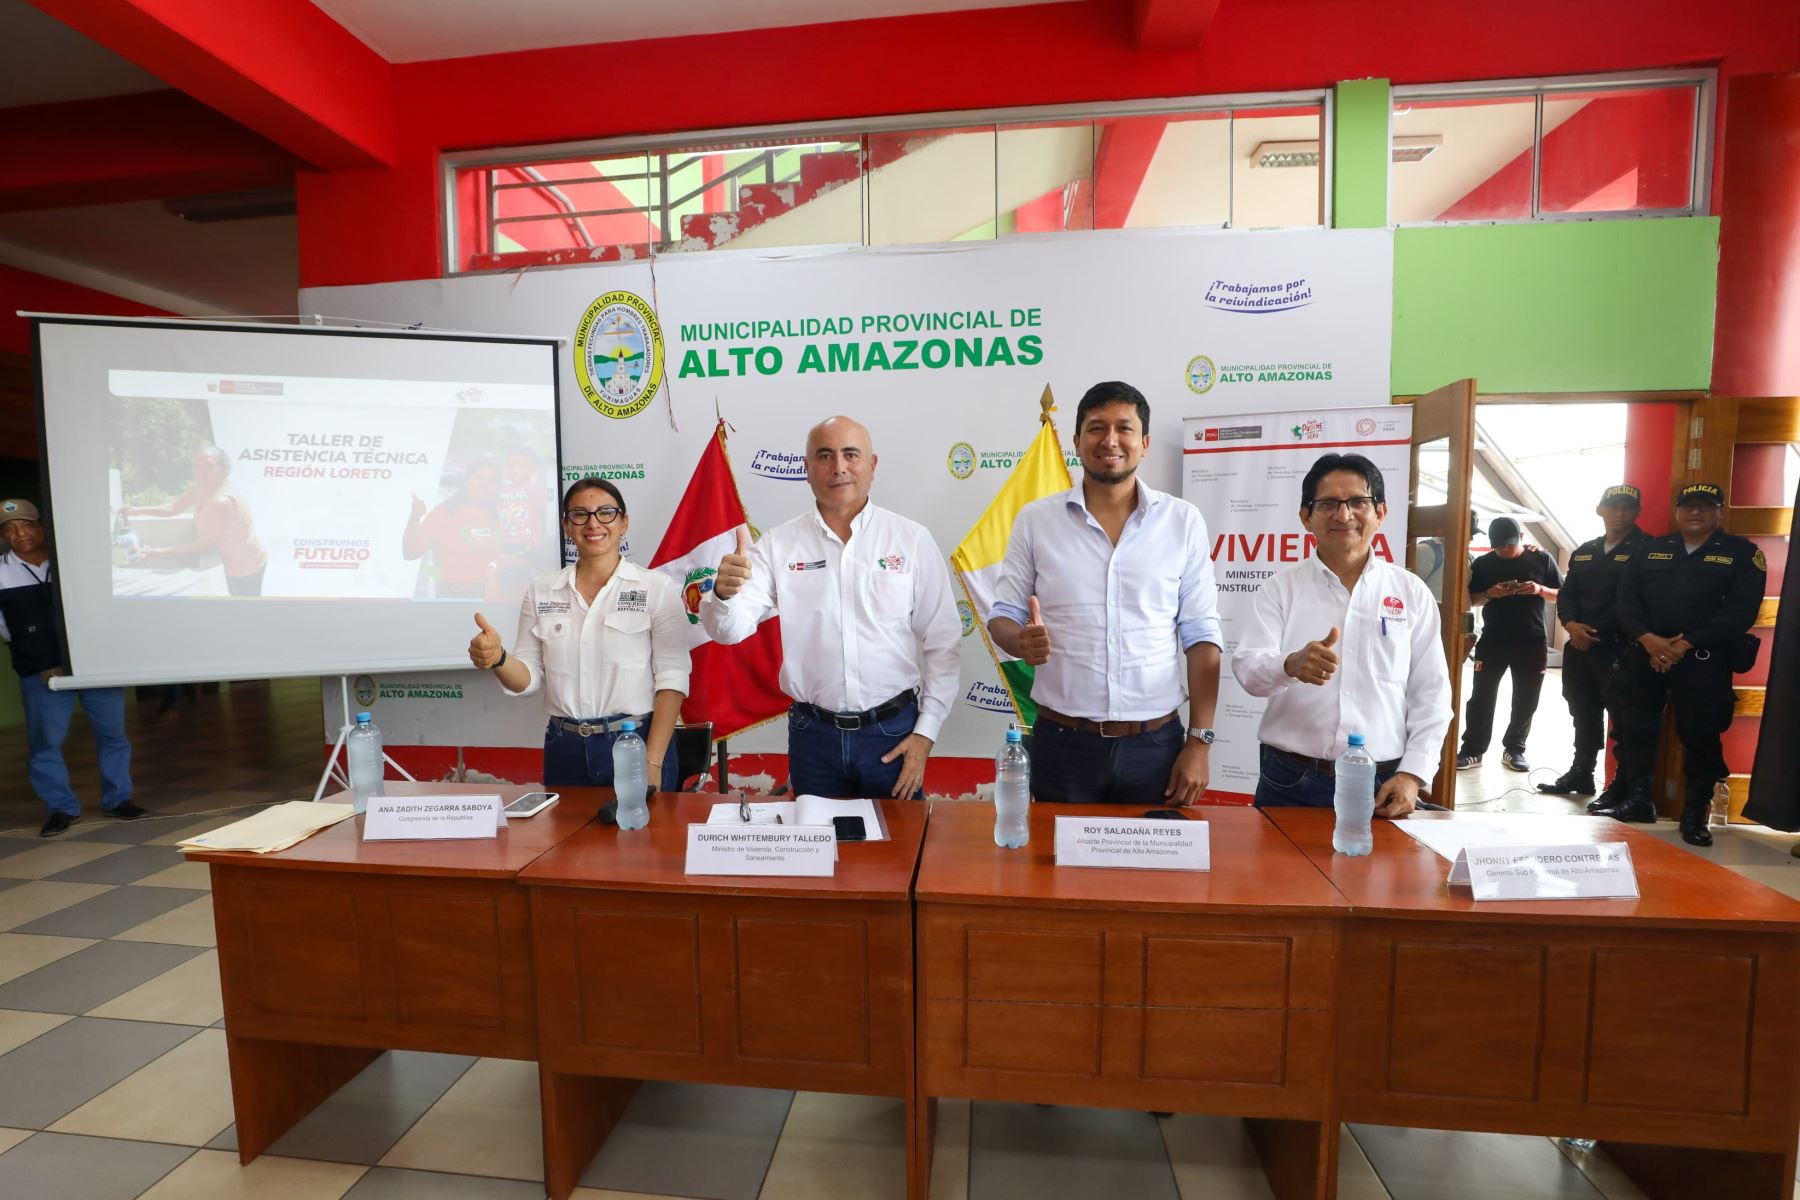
(1446, 415)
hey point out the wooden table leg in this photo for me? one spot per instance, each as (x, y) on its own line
(921, 1130)
(579, 1112)
(274, 1084)
(1299, 1158)
(1682, 1172)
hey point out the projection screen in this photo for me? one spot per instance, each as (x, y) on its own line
(243, 502)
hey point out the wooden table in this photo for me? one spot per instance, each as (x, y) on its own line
(647, 973)
(1665, 1026)
(1205, 992)
(336, 949)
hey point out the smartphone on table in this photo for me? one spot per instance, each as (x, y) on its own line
(531, 804)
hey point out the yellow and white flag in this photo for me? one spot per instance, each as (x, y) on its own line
(1041, 472)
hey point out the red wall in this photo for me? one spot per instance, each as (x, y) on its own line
(377, 225)
(1756, 348)
(24, 291)
(1649, 458)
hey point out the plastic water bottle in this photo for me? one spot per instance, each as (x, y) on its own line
(1012, 794)
(362, 750)
(1354, 800)
(628, 777)
(1720, 816)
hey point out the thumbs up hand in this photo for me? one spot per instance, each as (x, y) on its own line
(484, 647)
(1034, 638)
(1315, 662)
(734, 568)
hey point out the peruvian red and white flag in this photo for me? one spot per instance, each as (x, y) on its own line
(734, 687)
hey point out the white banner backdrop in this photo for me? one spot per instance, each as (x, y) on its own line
(942, 351)
(1244, 473)
(438, 708)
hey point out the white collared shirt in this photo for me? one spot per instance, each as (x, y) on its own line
(15, 572)
(861, 621)
(608, 658)
(1392, 684)
(1121, 618)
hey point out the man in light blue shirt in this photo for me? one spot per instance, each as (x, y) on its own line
(1108, 593)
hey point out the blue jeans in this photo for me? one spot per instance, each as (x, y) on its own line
(1073, 767)
(571, 760)
(47, 716)
(1286, 785)
(845, 764)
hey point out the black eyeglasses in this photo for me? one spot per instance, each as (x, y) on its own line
(1329, 505)
(606, 515)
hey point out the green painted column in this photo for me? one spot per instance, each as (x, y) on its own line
(1359, 164)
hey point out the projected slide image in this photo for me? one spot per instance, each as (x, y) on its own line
(179, 526)
(327, 488)
(490, 522)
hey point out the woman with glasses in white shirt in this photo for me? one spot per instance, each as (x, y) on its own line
(605, 641)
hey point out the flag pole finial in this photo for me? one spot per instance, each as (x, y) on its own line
(1046, 405)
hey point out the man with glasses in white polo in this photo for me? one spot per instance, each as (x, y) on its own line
(1345, 642)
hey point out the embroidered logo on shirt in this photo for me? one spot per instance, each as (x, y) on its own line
(552, 606)
(1721, 558)
(1761, 563)
(816, 565)
(1660, 556)
(633, 600)
(891, 562)
(1392, 607)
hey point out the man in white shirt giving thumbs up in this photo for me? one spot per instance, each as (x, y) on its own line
(1129, 625)
(1344, 643)
(869, 630)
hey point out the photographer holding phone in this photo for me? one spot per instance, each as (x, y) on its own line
(1511, 584)
(605, 640)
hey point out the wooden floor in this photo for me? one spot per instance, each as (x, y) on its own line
(247, 743)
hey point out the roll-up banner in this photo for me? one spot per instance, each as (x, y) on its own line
(1244, 473)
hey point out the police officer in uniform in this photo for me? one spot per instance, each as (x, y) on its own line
(1585, 608)
(1686, 604)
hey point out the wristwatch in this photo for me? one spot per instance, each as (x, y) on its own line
(1203, 736)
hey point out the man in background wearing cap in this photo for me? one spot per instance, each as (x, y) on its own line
(1510, 583)
(1687, 603)
(1585, 606)
(27, 625)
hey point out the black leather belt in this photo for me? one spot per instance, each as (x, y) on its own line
(1106, 729)
(601, 725)
(1324, 766)
(857, 720)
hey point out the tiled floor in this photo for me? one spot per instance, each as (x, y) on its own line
(114, 1085)
(1493, 787)
(267, 731)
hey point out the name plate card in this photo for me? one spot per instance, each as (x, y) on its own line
(432, 818)
(1138, 844)
(761, 850)
(1584, 872)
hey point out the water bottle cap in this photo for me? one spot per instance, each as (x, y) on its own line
(628, 726)
(1012, 735)
(362, 718)
(1356, 739)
